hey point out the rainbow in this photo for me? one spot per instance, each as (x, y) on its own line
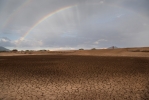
(10, 18)
(44, 18)
(49, 15)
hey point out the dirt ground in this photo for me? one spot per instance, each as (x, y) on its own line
(70, 77)
(131, 52)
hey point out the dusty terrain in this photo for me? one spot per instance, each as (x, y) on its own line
(109, 74)
(131, 52)
(74, 77)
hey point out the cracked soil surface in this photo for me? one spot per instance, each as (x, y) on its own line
(57, 77)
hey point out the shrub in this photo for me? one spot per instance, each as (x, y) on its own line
(14, 50)
(81, 49)
(137, 50)
(93, 49)
(144, 50)
(42, 50)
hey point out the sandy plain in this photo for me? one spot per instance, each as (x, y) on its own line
(119, 74)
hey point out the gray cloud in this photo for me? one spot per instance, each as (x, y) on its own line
(74, 23)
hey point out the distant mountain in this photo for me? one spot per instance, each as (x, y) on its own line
(113, 47)
(3, 49)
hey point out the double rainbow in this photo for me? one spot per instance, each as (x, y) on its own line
(10, 18)
(44, 18)
(57, 11)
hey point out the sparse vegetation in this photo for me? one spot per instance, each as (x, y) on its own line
(81, 49)
(14, 50)
(93, 49)
(138, 50)
(144, 50)
(42, 50)
(3, 51)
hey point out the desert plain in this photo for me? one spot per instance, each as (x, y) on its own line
(107, 74)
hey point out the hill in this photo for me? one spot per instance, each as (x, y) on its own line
(113, 47)
(3, 49)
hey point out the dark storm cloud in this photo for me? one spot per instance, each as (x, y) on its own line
(86, 23)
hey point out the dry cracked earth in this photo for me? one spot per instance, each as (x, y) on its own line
(59, 77)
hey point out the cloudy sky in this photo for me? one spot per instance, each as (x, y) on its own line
(73, 24)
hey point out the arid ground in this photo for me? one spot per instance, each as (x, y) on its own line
(75, 76)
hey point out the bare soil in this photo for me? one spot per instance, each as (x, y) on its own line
(131, 52)
(62, 77)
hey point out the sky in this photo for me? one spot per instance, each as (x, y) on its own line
(73, 24)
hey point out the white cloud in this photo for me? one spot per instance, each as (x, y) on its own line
(40, 43)
(100, 40)
(101, 2)
(118, 16)
(4, 40)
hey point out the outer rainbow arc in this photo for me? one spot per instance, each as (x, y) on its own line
(16, 11)
(44, 18)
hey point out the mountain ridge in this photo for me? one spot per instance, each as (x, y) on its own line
(3, 48)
